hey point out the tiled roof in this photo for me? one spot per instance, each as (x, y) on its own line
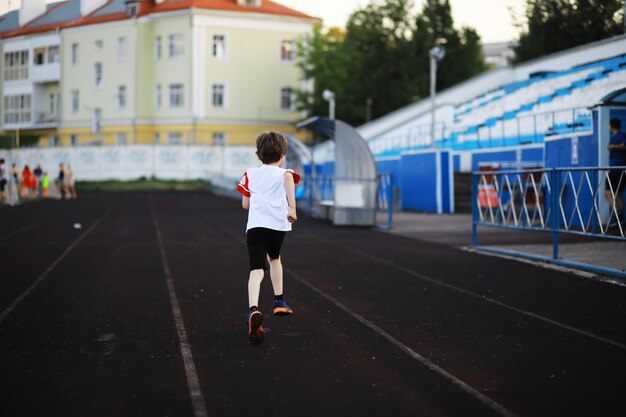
(66, 14)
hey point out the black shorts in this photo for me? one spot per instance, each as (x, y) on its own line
(261, 243)
(3, 184)
(614, 178)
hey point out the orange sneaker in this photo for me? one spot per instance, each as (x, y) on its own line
(281, 308)
(255, 328)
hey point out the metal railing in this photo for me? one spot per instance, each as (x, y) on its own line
(522, 129)
(557, 200)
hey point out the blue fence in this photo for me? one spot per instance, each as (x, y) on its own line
(557, 200)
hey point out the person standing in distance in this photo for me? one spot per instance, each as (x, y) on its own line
(614, 185)
(268, 193)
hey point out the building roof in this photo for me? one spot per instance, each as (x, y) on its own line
(9, 21)
(66, 14)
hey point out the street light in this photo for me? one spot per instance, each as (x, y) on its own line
(330, 97)
(436, 54)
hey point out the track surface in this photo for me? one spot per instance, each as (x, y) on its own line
(383, 325)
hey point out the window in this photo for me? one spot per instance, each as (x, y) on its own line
(176, 46)
(122, 138)
(132, 9)
(74, 139)
(286, 99)
(176, 95)
(121, 96)
(39, 57)
(249, 3)
(98, 74)
(174, 138)
(17, 109)
(15, 66)
(52, 103)
(157, 138)
(74, 54)
(157, 47)
(287, 50)
(54, 54)
(98, 45)
(218, 96)
(97, 121)
(75, 101)
(218, 50)
(53, 141)
(121, 48)
(157, 96)
(219, 138)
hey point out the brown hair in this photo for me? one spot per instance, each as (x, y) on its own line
(271, 146)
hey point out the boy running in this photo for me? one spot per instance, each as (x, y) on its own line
(269, 195)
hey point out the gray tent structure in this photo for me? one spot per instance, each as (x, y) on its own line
(355, 175)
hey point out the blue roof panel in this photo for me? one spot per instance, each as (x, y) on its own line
(9, 21)
(114, 6)
(66, 11)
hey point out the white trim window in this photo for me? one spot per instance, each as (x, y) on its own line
(287, 50)
(156, 138)
(218, 95)
(17, 109)
(219, 138)
(157, 47)
(15, 65)
(122, 138)
(157, 96)
(98, 45)
(73, 139)
(176, 45)
(75, 101)
(174, 138)
(97, 121)
(219, 46)
(121, 96)
(54, 54)
(74, 54)
(177, 95)
(97, 74)
(287, 99)
(122, 49)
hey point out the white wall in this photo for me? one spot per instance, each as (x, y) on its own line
(96, 163)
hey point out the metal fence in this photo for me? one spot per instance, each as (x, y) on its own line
(557, 200)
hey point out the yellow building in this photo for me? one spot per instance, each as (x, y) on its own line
(151, 71)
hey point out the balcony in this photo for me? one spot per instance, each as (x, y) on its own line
(46, 73)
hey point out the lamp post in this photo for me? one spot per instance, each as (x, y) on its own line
(436, 54)
(329, 96)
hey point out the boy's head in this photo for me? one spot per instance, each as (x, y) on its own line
(271, 147)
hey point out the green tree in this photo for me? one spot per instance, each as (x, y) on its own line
(555, 25)
(464, 57)
(381, 61)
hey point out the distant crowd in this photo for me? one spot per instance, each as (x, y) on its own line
(34, 183)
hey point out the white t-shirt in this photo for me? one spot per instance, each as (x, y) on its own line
(265, 186)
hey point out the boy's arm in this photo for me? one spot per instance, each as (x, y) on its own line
(290, 189)
(245, 202)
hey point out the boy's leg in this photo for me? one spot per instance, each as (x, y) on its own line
(254, 287)
(276, 274)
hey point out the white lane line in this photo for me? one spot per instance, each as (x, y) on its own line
(22, 229)
(58, 260)
(480, 297)
(421, 359)
(197, 399)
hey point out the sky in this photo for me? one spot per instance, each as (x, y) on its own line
(491, 18)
